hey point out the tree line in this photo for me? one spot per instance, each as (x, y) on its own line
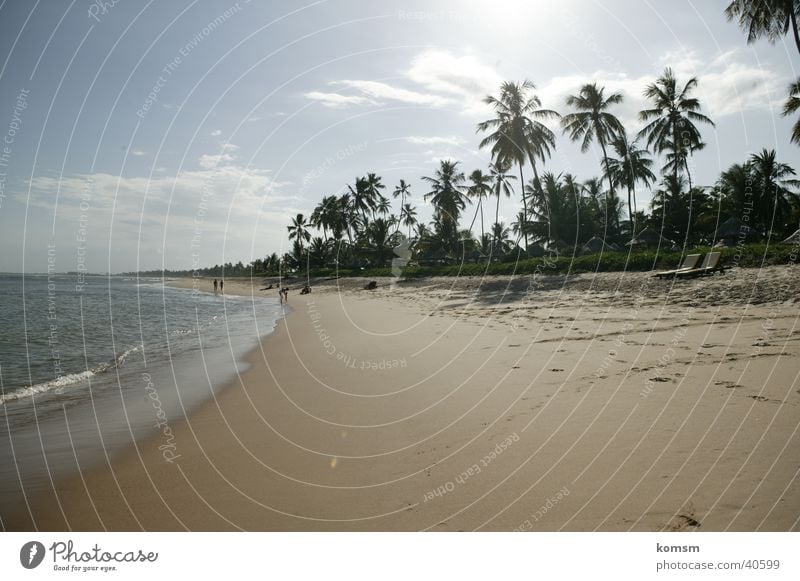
(364, 224)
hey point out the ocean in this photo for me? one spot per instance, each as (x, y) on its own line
(87, 369)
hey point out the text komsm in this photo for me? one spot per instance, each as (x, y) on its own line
(64, 550)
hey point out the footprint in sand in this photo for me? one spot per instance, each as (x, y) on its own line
(683, 522)
(727, 384)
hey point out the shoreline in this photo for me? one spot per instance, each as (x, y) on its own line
(569, 409)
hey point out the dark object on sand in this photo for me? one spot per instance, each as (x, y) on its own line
(306, 290)
(371, 285)
(267, 288)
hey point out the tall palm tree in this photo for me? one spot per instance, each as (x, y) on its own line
(408, 216)
(592, 120)
(402, 192)
(298, 230)
(374, 186)
(362, 196)
(324, 215)
(480, 187)
(670, 122)
(631, 166)
(793, 105)
(771, 19)
(501, 184)
(517, 132)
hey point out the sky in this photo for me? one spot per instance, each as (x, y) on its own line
(141, 135)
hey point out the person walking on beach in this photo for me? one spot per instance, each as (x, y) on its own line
(286, 295)
(280, 294)
(221, 284)
(215, 286)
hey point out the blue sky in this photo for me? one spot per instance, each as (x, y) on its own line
(177, 133)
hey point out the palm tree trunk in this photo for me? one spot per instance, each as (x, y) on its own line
(497, 207)
(632, 213)
(480, 205)
(610, 181)
(525, 203)
(688, 173)
(474, 217)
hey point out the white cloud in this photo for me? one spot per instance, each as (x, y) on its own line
(208, 161)
(446, 80)
(230, 206)
(216, 133)
(727, 83)
(378, 90)
(426, 140)
(726, 86)
(465, 77)
(338, 101)
(138, 152)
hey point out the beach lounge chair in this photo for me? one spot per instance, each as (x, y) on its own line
(710, 264)
(689, 262)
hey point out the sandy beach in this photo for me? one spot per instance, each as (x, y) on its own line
(592, 402)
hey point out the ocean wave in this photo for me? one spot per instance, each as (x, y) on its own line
(69, 379)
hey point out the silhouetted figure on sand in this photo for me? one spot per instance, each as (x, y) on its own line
(221, 285)
(215, 286)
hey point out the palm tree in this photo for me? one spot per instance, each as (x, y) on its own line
(408, 216)
(447, 190)
(421, 230)
(298, 230)
(766, 18)
(362, 196)
(632, 166)
(771, 181)
(678, 159)
(383, 206)
(500, 236)
(520, 226)
(402, 192)
(792, 105)
(480, 188)
(593, 121)
(318, 251)
(682, 216)
(324, 215)
(670, 122)
(517, 132)
(501, 184)
(374, 186)
(448, 199)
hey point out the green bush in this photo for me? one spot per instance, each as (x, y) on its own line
(749, 256)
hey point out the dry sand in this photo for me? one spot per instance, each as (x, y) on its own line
(608, 402)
